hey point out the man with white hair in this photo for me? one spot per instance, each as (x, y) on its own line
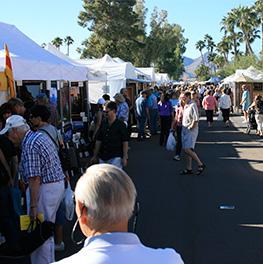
(41, 170)
(105, 198)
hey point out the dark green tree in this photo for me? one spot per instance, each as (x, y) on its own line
(165, 45)
(202, 72)
(114, 26)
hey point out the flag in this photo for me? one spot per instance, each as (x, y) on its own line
(9, 73)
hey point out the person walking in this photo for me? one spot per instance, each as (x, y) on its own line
(112, 140)
(105, 198)
(209, 103)
(189, 135)
(166, 111)
(225, 105)
(177, 125)
(122, 108)
(245, 102)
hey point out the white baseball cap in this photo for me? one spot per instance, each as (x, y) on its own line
(13, 121)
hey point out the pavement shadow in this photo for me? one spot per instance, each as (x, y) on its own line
(183, 211)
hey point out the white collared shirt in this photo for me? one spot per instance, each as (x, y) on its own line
(121, 248)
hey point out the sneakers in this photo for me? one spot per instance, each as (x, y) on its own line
(60, 247)
(176, 157)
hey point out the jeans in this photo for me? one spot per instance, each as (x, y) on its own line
(141, 126)
(114, 161)
(153, 120)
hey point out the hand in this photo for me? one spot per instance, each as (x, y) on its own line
(33, 212)
(124, 162)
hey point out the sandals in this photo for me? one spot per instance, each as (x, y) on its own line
(200, 169)
(186, 172)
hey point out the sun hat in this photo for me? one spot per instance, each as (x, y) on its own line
(13, 121)
(119, 97)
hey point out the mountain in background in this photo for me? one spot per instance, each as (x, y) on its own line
(190, 65)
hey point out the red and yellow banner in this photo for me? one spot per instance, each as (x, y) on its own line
(9, 73)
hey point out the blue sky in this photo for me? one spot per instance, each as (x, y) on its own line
(44, 20)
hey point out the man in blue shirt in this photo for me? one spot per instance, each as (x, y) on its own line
(141, 114)
(152, 109)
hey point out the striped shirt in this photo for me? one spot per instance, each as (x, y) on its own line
(40, 158)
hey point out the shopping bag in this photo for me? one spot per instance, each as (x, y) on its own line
(220, 116)
(171, 142)
(69, 203)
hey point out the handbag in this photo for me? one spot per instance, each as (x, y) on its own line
(69, 203)
(63, 153)
(171, 142)
(220, 116)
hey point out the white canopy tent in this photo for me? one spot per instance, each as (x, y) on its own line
(148, 71)
(31, 62)
(117, 71)
(162, 78)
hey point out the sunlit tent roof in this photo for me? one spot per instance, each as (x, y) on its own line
(162, 78)
(251, 74)
(149, 71)
(93, 75)
(31, 62)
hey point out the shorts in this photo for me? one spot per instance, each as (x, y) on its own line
(189, 137)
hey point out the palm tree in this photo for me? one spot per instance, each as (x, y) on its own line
(57, 42)
(200, 45)
(258, 7)
(68, 40)
(210, 44)
(247, 20)
(229, 26)
(223, 47)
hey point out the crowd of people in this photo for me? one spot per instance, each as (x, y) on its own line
(105, 195)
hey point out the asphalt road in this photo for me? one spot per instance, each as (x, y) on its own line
(183, 212)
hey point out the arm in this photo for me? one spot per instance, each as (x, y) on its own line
(5, 164)
(14, 166)
(94, 159)
(33, 184)
(125, 147)
(97, 125)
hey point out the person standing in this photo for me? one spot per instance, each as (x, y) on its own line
(189, 135)
(152, 110)
(112, 140)
(122, 108)
(245, 102)
(209, 103)
(141, 114)
(225, 105)
(258, 106)
(166, 110)
(41, 171)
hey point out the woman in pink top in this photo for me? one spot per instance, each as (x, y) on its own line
(210, 104)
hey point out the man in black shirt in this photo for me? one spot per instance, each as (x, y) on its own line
(112, 139)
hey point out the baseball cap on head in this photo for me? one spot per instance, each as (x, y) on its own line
(13, 121)
(101, 101)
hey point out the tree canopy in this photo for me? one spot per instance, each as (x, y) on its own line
(119, 29)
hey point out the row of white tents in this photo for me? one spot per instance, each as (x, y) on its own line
(32, 62)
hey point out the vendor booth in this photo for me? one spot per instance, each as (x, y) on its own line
(251, 76)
